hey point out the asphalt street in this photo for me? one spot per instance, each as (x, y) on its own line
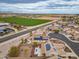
(74, 46)
(21, 33)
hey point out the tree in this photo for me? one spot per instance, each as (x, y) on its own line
(44, 34)
(57, 31)
(14, 51)
(30, 33)
(23, 41)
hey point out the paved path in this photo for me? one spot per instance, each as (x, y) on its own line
(74, 46)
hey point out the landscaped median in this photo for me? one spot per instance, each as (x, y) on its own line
(23, 21)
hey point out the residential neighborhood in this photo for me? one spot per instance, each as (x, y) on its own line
(39, 29)
(51, 40)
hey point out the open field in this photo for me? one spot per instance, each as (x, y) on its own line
(23, 21)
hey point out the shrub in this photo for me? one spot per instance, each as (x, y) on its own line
(35, 44)
(14, 51)
(26, 52)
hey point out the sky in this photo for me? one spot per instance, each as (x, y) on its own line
(40, 6)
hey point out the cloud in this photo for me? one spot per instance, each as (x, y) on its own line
(48, 6)
(19, 1)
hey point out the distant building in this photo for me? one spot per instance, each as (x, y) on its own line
(4, 26)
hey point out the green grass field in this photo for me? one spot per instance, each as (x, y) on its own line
(23, 21)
